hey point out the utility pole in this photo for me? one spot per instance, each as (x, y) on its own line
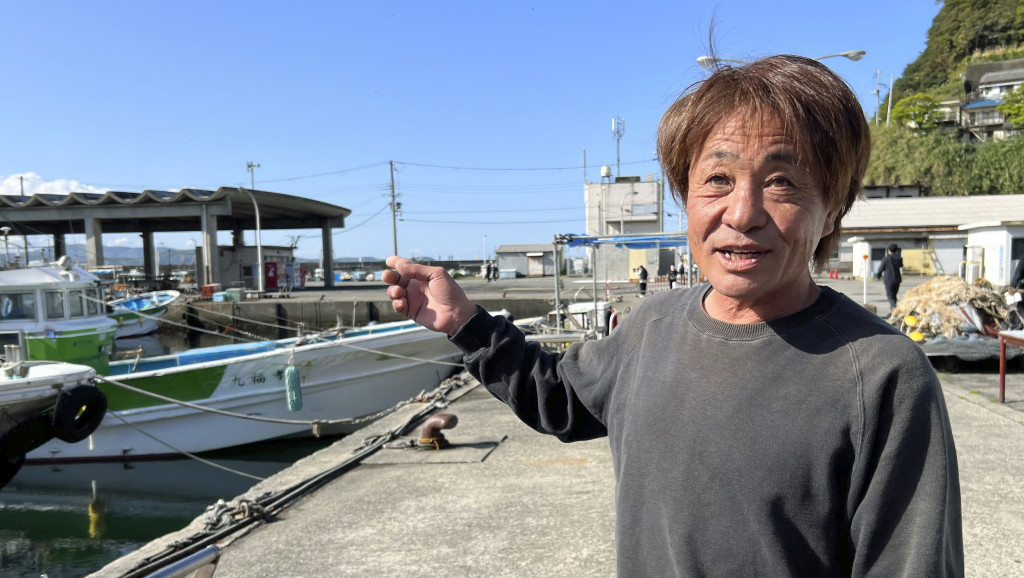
(21, 179)
(618, 129)
(395, 207)
(878, 95)
(889, 112)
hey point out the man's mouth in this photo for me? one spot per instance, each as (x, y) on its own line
(741, 255)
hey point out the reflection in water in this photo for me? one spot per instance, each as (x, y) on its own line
(69, 520)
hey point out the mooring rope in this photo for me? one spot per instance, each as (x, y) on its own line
(315, 425)
(183, 452)
(275, 502)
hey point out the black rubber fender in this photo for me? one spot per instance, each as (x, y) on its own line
(78, 412)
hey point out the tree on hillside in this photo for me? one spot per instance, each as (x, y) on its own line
(1013, 102)
(961, 28)
(931, 159)
(998, 167)
(917, 111)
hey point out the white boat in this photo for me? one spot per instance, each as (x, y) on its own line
(140, 314)
(337, 375)
(40, 400)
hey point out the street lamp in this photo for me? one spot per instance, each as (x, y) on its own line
(709, 61)
(259, 242)
(7, 253)
(622, 212)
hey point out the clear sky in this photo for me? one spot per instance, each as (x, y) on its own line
(485, 107)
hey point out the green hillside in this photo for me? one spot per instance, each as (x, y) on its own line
(963, 31)
(917, 148)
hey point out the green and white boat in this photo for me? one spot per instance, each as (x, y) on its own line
(332, 376)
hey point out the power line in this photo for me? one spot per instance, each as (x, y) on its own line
(327, 174)
(572, 168)
(491, 222)
(370, 218)
(541, 210)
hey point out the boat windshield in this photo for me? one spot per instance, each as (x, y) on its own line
(93, 301)
(18, 305)
(54, 304)
(76, 303)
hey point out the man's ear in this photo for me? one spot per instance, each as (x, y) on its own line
(829, 225)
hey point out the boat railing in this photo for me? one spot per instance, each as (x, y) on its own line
(203, 563)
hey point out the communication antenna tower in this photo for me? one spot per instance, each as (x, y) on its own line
(618, 129)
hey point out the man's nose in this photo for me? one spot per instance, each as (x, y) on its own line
(745, 210)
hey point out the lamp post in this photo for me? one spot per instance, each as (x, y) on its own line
(259, 243)
(7, 253)
(709, 61)
(622, 212)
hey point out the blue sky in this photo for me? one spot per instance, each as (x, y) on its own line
(486, 107)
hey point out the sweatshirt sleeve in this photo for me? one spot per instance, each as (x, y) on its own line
(525, 377)
(907, 520)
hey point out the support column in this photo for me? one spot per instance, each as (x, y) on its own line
(327, 241)
(60, 246)
(93, 242)
(211, 253)
(148, 263)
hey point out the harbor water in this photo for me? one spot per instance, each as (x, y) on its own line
(69, 520)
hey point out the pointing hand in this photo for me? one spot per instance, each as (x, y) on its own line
(427, 295)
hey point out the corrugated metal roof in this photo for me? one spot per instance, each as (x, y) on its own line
(983, 103)
(933, 211)
(547, 248)
(1002, 76)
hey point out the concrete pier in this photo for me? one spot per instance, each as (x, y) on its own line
(506, 501)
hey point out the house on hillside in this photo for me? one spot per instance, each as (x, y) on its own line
(985, 85)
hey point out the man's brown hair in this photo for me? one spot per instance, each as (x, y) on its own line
(818, 110)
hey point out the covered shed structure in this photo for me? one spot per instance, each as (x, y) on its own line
(975, 236)
(187, 210)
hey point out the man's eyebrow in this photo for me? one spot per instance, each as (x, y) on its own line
(777, 156)
(721, 155)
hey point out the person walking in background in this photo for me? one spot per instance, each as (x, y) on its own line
(889, 273)
(672, 276)
(641, 272)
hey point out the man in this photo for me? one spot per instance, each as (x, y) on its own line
(889, 273)
(641, 273)
(760, 425)
(672, 276)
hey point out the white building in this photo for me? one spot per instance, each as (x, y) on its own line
(979, 236)
(626, 205)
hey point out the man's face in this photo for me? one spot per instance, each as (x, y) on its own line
(755, 218)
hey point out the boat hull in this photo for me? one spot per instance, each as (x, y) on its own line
(341, 379)
(140, 314)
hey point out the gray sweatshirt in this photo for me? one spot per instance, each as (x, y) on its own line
(813, 445)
